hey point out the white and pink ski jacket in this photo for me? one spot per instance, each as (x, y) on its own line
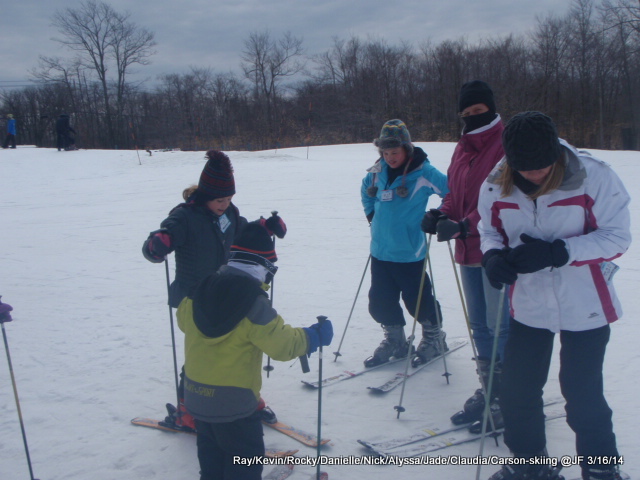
(590, 212)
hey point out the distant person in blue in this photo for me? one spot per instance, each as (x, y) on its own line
(64, 130)
(394, 195)
(11, 133)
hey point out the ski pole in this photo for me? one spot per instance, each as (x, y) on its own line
(321, 319)
(446, 373)
(399, 408)
(173, 335)
(494, 352)
(268, 368)
(468, 322)
(338, 354)
(3, 318)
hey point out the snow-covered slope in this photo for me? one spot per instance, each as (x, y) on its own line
(91, 342)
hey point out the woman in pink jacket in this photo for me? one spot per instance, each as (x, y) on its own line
(478, 151)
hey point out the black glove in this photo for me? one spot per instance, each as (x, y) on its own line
(535, 254)
(157, 246)
(448, 229)
(430, 220)
(499, 271)
(274, 225)
(370, 216)
(5, 308)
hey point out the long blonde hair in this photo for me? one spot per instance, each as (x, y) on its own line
(551, 182)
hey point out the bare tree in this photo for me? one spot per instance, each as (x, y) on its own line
(105, 39)
(266, 64)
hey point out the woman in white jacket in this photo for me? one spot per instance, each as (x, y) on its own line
(552, 219)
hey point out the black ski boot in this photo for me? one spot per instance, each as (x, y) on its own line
(603, 472)
(394, 345)
(528, 472)
(474, 406)
(496, 415)
(431, 345)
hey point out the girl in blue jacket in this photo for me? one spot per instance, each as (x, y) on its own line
(395, 193)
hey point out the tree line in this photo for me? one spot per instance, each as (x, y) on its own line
(582, 69)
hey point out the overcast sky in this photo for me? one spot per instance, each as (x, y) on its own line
(210, 33)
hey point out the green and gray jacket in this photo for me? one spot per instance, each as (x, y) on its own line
(228, 324)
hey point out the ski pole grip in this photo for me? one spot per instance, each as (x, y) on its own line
(304, 363)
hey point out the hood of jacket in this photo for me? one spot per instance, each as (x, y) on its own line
(223, 299)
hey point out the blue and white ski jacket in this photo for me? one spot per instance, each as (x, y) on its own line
(395, 229)
(590, 212)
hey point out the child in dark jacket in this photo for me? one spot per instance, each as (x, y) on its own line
(200, 232)
(228, 323)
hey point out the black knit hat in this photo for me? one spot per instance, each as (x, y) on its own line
(475, 92)
(530, 142)
(216, 179)
(255, 245)
(394, 134)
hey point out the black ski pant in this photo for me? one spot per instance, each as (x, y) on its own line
(219, 443)
(390, 281)
(526, 367)
(9, 140)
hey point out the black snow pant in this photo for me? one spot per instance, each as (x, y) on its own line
(218, 443)
(9, 140)
(524, 374)
(390, 281)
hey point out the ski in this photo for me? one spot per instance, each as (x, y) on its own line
(348, 374)
(279, 473)
(426, 432)
(297, 434)
(443, 441)
(453, 345)
(159, 425)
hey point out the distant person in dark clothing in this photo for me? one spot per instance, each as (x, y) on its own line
(64, 130)
(11, 132)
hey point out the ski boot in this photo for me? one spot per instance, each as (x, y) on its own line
(496, 415)
(394, 345)
(528, 472)
(474, 406)
(266, 414)
(603, 472)
(179, 418)
(431, 346)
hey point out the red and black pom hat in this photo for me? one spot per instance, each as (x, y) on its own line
(255, 245)
(216, 179)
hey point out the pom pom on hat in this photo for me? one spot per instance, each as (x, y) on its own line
(530, 141)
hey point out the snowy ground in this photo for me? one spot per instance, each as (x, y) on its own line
(91, 343)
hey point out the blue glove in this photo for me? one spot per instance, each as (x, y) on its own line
(319, 334)
(448, 229)
(5, 308)
(535, 254)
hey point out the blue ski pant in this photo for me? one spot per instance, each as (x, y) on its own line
(392, 280)
(483, 307)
